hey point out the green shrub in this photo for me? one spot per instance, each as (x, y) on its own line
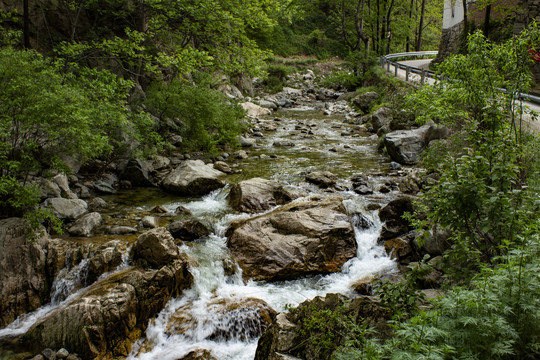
(276, 78)
(202, 116)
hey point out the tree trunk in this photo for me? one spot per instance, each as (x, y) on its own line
(388, 26)
(465, 20)
(26, 25)
(486, 20)
(421, 27)
(408, 40)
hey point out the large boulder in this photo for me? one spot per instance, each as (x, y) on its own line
(110, 315)
(67, 209)
(188, 230)
(302, 238)
(193, 178)
(257, 195)
(155, 247)
(105, 258)
(323, 179)
(62, 181)
(23, 283)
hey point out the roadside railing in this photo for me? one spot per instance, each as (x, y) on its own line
(390, 60)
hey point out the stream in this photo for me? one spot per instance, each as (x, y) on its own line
(315, 142)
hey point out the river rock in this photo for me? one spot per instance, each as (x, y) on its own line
(62, 181)
(200, 354)
(149, 222)
(155, 247)
(283, 143)
(160, 162)
(268, 104)
(302, 238)
(23, 282)
(193, 178)
(254, 109)
(246, 142)
(365, 101)
(290, 335)
(323, 179)
(122, 230)
(257, 195)
(85, 224)
(405, 146)
(223, 167)
(137, 172)
(381, 119)
(188, 230)
(106, 184)
(110, 315)
(226, 319)
(67, 209)
(106, 257)
(392, 216)
(62, 353)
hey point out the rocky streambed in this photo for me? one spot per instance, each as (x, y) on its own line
(179, 258)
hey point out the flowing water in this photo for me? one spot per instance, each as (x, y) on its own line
(192, 321)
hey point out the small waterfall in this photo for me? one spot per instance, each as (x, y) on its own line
(202, 319)
(68, 281)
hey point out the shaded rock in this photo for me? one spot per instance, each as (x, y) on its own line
(67, 209)
(193, 177)
(189, 230)
(85, 224)
(138, 173)
(257, 195)
(182, 210)
(48, 189)
(155, 247)
(49, 354)
(230, 91)
(322, 179)
(159, 210)
(161, 162)
(109, 316)
(365, 101)
(311, 237)
(268, 104)
(62, 181)
(397, 248)
(289, 336)
(97, 204)
(438, 241)
(62, 354)
(23, 283)
(122, 230)
(106, 184)
(254, 109)
(392, 216)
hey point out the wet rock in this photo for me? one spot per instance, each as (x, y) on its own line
(107, 257)
(138, 173)
(183, 211)
(223, 167)
(364, 286)
(254, 109)
(23, 283)
(85, 224)
(232, 319)
(257, 195)
(309, 237)
(62, 181)
(392, 216)
(323, 179)
(193, 177)
(109, 316)
(159, 210)
(366, 101)
(397, 248)
(149, 222)
(189, 230)
(381, 119)
(67, 209)
(201, 354)
(122, 230)
(155, 248)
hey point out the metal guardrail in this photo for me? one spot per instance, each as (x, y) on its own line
(386, 62)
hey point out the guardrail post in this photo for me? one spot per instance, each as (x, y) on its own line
(388, 66)
(407, 71)
(396, 67)
(423, 76)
